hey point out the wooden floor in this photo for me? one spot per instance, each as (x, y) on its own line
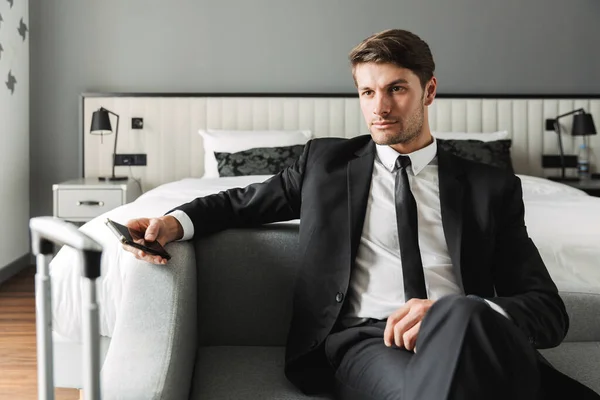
(18, 374)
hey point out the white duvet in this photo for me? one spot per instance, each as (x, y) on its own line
(563, 222)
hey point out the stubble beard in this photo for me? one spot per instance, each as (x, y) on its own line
(409, 129)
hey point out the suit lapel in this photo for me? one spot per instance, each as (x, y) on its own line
(360, 172)
(451, 180)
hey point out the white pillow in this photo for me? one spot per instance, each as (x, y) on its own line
(484, 137)
(231, 141)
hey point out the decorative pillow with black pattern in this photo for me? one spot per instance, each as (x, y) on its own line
(496, 153)
(257, 161)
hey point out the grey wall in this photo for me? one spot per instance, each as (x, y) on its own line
(14, 136)
(480, 46)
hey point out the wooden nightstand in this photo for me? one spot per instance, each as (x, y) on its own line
(591, 187)
(80, 200)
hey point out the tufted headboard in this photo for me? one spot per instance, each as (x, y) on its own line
(174, 148)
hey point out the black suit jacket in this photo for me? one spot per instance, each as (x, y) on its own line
(327, 188)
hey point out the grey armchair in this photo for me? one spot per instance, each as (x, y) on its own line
(212, 323)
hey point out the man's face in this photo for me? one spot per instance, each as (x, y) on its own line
(392, 102)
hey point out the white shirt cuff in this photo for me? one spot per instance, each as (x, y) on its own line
(497, 308)
(186, 224)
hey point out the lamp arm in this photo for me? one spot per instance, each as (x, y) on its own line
(560, 147)
(566, 114)
(115, 147)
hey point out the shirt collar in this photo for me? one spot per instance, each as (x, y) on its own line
(418, 159)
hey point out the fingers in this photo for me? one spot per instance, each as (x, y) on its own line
(143, 256)
(388, 333)
(403, 326)
(150, 227)
(153, 230)
(138, 224)
(409, 338)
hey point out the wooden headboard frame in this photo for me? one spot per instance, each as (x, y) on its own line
(174, 148)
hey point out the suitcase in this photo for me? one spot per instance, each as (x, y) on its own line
(46, 231)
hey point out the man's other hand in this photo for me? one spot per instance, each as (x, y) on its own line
(403, 325)
(163, 230)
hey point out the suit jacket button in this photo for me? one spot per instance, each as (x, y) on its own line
(339, 297)
(314, 344)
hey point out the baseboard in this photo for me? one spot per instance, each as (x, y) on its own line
(8, 271)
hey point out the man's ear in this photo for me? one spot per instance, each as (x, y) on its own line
(430, 91)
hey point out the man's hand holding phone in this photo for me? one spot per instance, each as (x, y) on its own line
(162, 230)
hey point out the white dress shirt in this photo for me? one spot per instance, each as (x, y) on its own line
(376, 285)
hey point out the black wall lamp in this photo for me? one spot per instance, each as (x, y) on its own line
(583, 125)
(101, 126)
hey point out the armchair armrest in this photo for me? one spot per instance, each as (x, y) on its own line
(153, 348)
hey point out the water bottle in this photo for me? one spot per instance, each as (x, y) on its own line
(583, 163)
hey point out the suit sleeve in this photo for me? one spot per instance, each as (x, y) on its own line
(277, 199)
(523, 285)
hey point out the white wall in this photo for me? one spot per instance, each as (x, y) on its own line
(14, 132)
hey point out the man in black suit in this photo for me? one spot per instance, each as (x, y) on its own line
(418, 279)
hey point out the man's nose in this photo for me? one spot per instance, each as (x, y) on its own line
(381, 106)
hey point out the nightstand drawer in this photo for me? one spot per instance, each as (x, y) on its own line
(87, 203)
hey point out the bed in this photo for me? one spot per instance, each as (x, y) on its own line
(563, 222)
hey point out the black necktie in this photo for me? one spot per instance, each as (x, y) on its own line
(406, 217)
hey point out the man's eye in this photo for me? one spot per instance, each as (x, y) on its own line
(397, 89)
(367, 92)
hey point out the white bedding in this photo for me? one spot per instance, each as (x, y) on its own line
(563, 222)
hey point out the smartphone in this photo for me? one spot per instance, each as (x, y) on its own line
(135, 238)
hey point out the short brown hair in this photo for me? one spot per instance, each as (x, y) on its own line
(399, 47)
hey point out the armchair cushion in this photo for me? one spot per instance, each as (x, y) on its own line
(151, 355)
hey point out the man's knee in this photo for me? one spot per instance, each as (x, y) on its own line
(460, 307)
(454, 316)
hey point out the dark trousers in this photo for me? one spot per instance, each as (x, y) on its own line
(465, 350)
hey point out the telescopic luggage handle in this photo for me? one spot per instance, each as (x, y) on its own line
(44, 232)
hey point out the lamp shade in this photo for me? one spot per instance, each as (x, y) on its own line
(583, 124)
(100, 122)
